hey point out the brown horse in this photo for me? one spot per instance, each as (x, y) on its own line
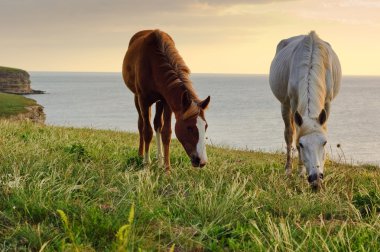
(155, 72)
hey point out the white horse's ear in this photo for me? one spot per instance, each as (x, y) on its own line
(185, 100)
(322, 117)
(298, 119)
(203, 104)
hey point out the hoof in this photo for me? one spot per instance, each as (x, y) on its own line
(147, 160)
(288, 172)
(160, 162)
(302, 171)
(288, 169)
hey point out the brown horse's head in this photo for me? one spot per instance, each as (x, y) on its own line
(190, 129)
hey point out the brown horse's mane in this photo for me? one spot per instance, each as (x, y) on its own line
(176, 71)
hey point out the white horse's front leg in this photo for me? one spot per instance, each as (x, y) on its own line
(301, 166)
(288, 165)
(288, 134)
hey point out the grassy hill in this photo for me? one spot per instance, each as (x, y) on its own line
(10, 70)
(11, 104)
(241, 201)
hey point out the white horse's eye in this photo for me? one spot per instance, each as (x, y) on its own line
(324, 143)
(301, 145)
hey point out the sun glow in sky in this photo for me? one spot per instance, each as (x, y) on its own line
(224, 36)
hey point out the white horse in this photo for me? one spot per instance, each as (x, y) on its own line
(305, 77)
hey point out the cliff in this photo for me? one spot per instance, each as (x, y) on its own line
(19, 108)
(15, 81)
(33, 113)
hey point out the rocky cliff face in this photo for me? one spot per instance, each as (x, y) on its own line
(34, 113)
(15, 81)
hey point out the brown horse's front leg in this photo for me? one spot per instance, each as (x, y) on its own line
(157, 122)
(166, 135)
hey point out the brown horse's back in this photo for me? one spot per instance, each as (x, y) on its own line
(140, 34)
(140, 59)
(133, 57)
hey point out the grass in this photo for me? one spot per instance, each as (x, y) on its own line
(86, 190)
(10, 70)
(11, 104)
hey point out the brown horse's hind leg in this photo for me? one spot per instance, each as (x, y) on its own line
(147, 128)
(288, 134)
(157, 122)
(140, 126)
(166, 135)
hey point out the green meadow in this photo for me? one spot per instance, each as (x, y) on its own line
(71, 189)
(11, 104)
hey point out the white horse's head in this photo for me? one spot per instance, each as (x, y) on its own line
(311, 144)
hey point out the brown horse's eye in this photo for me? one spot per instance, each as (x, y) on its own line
(190, 129)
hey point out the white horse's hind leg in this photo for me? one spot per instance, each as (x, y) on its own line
(288, 134)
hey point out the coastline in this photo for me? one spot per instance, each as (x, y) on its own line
(17, 107)
(34, 114)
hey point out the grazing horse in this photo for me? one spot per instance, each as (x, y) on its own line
(305, 77)
(155, 72)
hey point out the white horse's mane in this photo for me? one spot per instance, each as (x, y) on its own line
(312, 67)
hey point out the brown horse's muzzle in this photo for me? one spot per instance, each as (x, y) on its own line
(196, 161)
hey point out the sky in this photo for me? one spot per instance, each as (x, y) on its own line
(225, 36)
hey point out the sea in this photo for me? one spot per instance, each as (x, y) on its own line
(243, 113)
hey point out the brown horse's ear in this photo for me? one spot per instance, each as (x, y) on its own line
(185, 100)
(203, 104)
(298, 119)
(322, 117)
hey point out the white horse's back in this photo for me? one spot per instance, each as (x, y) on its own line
(305, 65)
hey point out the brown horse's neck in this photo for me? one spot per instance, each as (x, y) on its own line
(173, 98)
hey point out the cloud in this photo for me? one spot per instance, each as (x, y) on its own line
(353, 3)
(238, 2)
(73, 20)
(51, 34)
(76, 10)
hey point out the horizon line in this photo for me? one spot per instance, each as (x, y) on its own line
(215, 73)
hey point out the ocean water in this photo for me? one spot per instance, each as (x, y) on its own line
(243, 112)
